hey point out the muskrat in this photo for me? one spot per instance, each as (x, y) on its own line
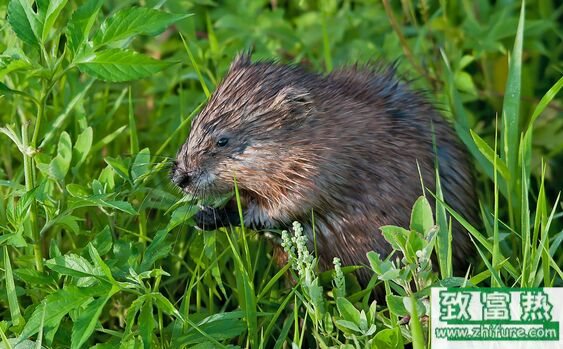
(345, 147)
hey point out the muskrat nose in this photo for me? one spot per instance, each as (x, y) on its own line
(181, 179)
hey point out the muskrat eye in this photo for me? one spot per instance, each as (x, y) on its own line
(222, 142)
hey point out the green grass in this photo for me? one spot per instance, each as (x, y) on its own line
(99, 250)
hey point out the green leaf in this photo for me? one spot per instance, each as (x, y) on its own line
(86, 323)
(119, 65)
(396, 305)
(10, 288)
(165, 305)
(347, 310)
(34, 277)
(388, 338)
(99, 263)
(421, 217)
(5, 90)
(146, 323)
(546, 99)
(59, 166)
(73, 265)
(490, 155)
(217, 327)
(82, 147)
(58, 305)
(120, 205)
(81, 22)
(133, 21)
(511, 103)
(408, 303)
(349, 325)
(67, 221)
(118, 166)
(141, 164)
(464, 82)
(53, 11)
(101, 201)
(24, 22)
(103, 241)
(159, 248)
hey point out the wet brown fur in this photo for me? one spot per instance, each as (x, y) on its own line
(344, 146)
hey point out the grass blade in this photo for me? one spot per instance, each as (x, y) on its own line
(511, 118)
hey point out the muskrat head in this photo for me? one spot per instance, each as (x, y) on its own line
(241, 133)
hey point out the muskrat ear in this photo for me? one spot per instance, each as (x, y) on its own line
(295, 99)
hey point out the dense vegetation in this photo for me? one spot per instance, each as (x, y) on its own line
(96, 96)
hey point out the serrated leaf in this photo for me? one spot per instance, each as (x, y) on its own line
(165, 305)
(146, 322)
(11, 64)
(58, 305)
(159, 248)
(76, 190)
(67, 221)
(31, 276)
(218, 326)
(81, 22)
(59, 166)
(133, 21)
(73, 265)
(99, 263)
(117, 65)
(86, 323)
(24, 22)
(53, 10)
(120, 205)
(5, 90)
(103, 241)
(102, 201)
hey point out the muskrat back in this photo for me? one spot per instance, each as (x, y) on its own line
(347, 146)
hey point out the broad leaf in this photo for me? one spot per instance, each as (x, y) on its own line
(141, 164)
(53, 10)
(119, 65)
(86, 322)
(422, 217)
(133, 21)
(24, 22)
(58, 305)
(159, 248)
(73, 265)
(347, 311)
(82, 147)
(59, 166)
(81, 22)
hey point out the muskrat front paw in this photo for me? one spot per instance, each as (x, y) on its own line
(207, 218)
(210, 218)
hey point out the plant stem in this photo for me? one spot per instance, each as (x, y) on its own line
(416, 328)
(29, 174)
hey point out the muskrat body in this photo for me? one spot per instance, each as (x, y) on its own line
(344, 147)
